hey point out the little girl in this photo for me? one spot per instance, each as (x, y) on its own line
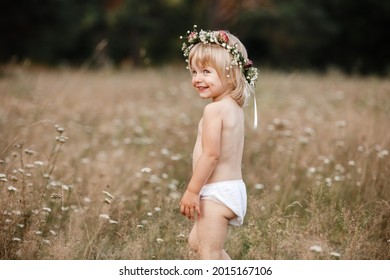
(216, 193)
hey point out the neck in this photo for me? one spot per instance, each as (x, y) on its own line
(224, 95)
(221, 96)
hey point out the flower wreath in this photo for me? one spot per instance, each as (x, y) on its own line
(222, 39)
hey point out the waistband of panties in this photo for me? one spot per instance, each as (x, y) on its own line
(238, 181)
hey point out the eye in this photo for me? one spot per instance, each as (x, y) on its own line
(205, 71)
(193, 72)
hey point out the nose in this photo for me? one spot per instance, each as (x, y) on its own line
(196, 78)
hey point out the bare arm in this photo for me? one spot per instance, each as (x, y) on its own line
(211, 143)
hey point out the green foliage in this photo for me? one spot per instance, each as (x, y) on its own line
(348, 34)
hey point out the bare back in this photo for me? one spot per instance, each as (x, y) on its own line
(232, 142)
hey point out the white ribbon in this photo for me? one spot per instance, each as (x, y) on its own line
(255, 111)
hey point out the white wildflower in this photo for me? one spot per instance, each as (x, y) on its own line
(108, 194)
(62, 139)
(146, 170)
(270, 127)
(311, 170)
(309, 131)
(341, 123)
(29, 152)
(259, 186)
(56, 196)
(60, 129)
(176, 157)
(340, 168)
(46, 209)
(21, 170)
(159, 240)
(172, 186)
(155, 179)
(339, 178)
(29, 166)
(360, 148)
(38, 163)
(127, 141)
(303, 140)
(165, 151)
(316, 248)
(104, 217)
(85, 160)
(66, 187)
(12, 189)
(112, 222)
(174, 195)
(335, 254)
(383, 153)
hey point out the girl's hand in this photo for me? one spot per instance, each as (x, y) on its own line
(189, 204)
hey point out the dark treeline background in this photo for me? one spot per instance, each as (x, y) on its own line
(287, 34)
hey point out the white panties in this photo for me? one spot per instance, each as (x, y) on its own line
(230, 193)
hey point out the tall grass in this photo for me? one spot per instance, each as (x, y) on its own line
(93, 164)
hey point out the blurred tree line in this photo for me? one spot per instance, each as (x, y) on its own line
(314, 34)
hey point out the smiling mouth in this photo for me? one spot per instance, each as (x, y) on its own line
(201, 88)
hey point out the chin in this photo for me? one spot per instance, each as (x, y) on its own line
(204, 96)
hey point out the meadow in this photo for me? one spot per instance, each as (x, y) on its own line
(93, 165)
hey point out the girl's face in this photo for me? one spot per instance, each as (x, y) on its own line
(207, 82)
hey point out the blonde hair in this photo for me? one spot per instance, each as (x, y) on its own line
(220, 59)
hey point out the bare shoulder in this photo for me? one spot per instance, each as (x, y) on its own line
(220, 107)
(213, 110)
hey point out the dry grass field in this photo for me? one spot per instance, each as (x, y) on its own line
(93, 164)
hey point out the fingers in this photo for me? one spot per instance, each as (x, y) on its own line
(189, 211)
(197, 208)
(183, 210)
(192, 213)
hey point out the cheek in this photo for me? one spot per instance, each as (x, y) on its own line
(193, 81)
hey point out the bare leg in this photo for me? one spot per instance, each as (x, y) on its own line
(194, 243)
(193, 240)
(209, 232)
